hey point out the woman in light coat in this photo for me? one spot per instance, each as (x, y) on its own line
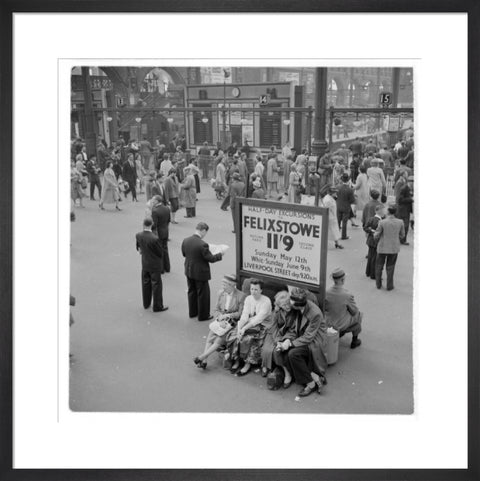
(76, 191)
(278, 326)
(361, 189)
(110, 192)
(189, 192)
(226, 314)
(294, 182)
(326, 195)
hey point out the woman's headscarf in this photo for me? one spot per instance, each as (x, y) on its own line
(281, 298)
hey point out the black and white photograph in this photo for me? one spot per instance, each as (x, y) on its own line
(242, 239)
(241, 242)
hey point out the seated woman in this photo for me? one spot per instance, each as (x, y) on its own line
(244, 343)
(226, 314)
(279, 325)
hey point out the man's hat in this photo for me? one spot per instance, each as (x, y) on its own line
(338, 273)
(236, 176)
(230, 278)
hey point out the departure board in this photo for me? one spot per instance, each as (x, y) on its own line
(270, 128)
(202, 131)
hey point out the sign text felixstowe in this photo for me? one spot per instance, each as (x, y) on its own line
(282, 243)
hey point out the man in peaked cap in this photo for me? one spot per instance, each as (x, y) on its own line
(302, 352)
(341, 312)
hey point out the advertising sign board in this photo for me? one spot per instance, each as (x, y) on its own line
(284, 243)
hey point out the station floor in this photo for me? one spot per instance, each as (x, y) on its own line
(127, 359)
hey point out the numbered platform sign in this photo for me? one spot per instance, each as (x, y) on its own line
(386, 99)
(264, 99)
(284, 243)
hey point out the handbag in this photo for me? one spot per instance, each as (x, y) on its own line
(218, 329)
(301, 189)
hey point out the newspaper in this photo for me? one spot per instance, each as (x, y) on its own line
(218, 248)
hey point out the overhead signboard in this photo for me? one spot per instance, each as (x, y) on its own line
(285, 243)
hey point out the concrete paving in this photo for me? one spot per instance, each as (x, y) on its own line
(127, 359)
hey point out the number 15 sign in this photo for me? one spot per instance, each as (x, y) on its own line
(282, 242)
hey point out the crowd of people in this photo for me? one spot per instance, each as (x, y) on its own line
(284, 333)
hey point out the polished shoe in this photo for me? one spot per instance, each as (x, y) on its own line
(235, 368)
(405, 243)
(307, 390)
(174, 222)
(379, 286)
(118, 208)
(223, 208)
(101, 207)
(389, 288)
(164, 308)
(203, 365)
(209, 318)
(286, 385)
(345, 238)
(355, 343)
(319, 386)
(242, 373)
(197, 361)
(338, 246)
(355, 225)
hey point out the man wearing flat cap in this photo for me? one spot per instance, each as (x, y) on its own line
(235, 189)
(301, 352)
(341, 311)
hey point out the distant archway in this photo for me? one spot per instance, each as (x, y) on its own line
(171, 72)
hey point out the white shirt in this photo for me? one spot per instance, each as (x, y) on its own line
(228, 301)
(255, 311)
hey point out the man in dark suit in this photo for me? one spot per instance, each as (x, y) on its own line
(389, 233)
(356, 147)
(161, 219)
(370, 207)
(405, 207)
(197, 271)
(370, 228)
(235, 189)
(345, 199)
(129, 173)
(148, 245)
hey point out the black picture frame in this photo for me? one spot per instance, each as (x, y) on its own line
(8, 7)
